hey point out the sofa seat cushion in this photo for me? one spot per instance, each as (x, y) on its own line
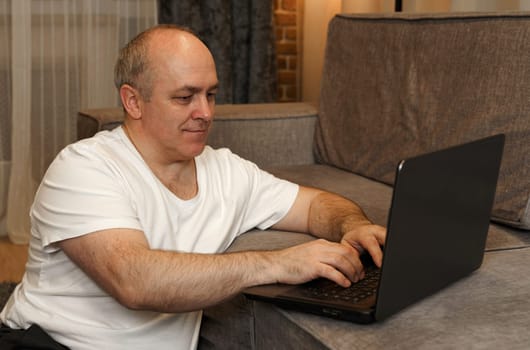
(395, 86)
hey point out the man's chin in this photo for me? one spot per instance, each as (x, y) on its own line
(193, 146)
(196, 150)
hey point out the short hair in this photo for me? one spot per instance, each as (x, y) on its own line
(133, 61)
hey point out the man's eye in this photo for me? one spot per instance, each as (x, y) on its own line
(211, 95)
(183, 98)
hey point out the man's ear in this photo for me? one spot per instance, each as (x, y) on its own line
(130, 98)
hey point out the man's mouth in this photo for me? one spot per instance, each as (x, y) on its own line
(197, 127)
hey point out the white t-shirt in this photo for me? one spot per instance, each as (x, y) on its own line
(102, 183)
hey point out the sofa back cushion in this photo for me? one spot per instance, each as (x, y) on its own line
(399, 85)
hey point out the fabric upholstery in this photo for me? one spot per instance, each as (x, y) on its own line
(229, 325)
(90, 121)
(400, 85)
(269, 134)
(275, 330)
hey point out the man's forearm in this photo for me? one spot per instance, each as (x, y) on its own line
(180, 282)
(330, 216)
(121, 262)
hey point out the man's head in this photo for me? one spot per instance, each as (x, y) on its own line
(167, 82)
(132, 66)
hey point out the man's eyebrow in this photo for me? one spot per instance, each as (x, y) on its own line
(195, 89)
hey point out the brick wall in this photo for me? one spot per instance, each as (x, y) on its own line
(286, 16)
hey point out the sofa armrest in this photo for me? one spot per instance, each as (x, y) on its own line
(269, 134)
(90, 121)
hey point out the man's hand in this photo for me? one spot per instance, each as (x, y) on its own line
(339, 262)
(367, 238)
(336, 219)
(319, 258)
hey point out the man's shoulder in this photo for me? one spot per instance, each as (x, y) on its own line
(103, 144)
(98, 154)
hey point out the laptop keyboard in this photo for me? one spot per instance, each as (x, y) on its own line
(326, 289)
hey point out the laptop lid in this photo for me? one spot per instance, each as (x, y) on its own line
(437, 229)
(438, 221)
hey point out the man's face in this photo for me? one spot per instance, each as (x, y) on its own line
(178, 116)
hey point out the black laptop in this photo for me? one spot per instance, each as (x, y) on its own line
(437, 229)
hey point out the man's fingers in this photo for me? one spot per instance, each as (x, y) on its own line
(335, 275)
(380, 234)
(369, 238)
(320, 258)
(374, 247)
(346, 261)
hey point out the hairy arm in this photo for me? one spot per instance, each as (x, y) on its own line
(122, 263)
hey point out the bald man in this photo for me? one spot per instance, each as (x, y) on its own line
(129, 227)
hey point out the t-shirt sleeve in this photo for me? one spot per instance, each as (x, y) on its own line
(268, 198)
(271, 200)
(79, 194)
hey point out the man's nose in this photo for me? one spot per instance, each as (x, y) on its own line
(204, 108)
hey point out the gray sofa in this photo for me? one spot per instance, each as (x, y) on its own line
(393, 86)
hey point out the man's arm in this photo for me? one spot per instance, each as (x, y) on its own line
(337, 219)
(122, 263)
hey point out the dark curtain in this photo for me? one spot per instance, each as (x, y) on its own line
(240, 35)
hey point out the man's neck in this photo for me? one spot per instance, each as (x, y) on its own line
(180, 177)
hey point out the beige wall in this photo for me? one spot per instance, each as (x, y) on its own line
(316, 16)
(365, 6)
(427, 5)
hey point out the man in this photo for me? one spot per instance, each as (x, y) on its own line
(128, 226)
